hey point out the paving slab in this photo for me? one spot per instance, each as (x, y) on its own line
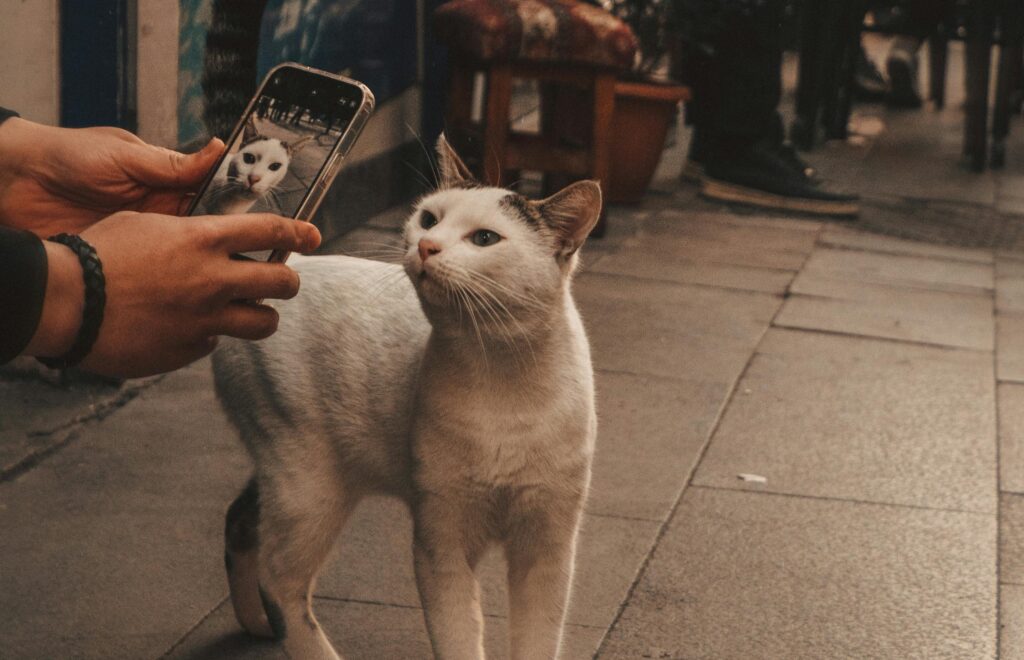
(834, 236)
(1010, 295)
(861, 419)
(1011, 538)
(818, 302)
(1010, 265)
(633, 261)
(1011, 622)
(650, 433)
(671, 330)
(360, 631)
(1010, 347)
(37, 416)
(914, 272)
(112, 547)
(668, 219)
(729, 230)
(666, 248)
(741, 575)
(373, 563)
(1011, 437)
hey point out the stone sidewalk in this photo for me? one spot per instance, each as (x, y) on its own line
(870, 391)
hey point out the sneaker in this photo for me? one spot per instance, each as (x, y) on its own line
(867, 79)
(901, 66)
(760, 176)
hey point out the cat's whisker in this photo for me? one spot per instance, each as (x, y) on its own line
(525, 300)
(476, 326)
(385, 253)
(377, 288)
(487, 301)
(430, 160)
(422, 177)
(507, 337)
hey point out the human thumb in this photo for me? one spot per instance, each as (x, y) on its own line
(164, 168)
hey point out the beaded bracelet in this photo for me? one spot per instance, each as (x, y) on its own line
(95, 301)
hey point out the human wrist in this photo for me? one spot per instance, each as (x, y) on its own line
(63, 305)
(17, 137)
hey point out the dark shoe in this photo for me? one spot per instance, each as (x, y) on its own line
(902, 69)
(789, 155)
(760, 176)
(693, 168)
(867, 79)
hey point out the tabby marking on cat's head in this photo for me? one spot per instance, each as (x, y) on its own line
(474, 245)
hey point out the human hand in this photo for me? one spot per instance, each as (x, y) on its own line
(56, 180)
(171, 288)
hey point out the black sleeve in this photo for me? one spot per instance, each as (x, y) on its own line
(7, 114)
(23, 270)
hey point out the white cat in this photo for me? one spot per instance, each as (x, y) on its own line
(463, 386)
(253, 172)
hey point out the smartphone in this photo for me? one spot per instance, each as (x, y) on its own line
(287, 148)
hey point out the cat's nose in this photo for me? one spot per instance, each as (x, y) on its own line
(428, 248)
(253, 179)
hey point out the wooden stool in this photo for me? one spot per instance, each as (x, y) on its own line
(560, 44)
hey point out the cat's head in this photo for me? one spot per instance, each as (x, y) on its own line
(492, 249)
(261, 162)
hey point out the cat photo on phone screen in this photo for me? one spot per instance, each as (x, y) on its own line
(255, 171)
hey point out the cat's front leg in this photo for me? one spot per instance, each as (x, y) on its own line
(541, 556)
(448, 588)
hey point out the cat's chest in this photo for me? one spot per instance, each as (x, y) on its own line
(497, 444)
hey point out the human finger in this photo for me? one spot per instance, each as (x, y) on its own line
(247, 232)
(246, 321)
(253, 280)
(164, 168)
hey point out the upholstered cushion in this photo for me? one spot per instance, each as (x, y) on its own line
(535, 30)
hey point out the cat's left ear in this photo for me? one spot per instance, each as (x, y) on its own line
(293, 147)
(249, 133)
(572, 213)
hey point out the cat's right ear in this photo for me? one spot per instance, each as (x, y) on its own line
(453, 171)
(250, 133)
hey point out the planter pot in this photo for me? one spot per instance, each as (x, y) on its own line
(643, 114)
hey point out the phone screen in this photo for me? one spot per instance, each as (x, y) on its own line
(272, 163)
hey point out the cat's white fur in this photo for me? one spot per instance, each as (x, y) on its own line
(251, 173)
(463, 386)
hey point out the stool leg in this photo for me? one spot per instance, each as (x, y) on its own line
(601, 165)
(496, 118)
(938, 51)
(978, 56)
(1010, 56)
(809, 81)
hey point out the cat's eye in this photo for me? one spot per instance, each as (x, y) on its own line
(249, 158)
(485, 237)
(427, 219)
(274, 167)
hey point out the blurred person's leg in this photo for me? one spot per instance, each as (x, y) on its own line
(903, 62)
(902, 67)
(734, 65)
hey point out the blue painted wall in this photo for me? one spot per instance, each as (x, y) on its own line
(374, 41)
